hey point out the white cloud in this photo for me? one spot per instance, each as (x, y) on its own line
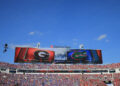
(35, 32)
(31, 33)
(102, 37)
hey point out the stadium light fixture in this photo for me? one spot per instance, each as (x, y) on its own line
(38, 44)
(81, 46)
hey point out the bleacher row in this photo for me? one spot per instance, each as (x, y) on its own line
(59, 66)
(58, 79)
(50, 80)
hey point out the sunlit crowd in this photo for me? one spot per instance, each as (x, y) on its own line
(59, 66)
(45, 79)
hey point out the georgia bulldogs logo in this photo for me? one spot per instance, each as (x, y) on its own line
(41, 55)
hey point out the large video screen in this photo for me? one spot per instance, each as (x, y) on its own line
(84, 56)
(24, 54)
(57, 55)
(60, 55)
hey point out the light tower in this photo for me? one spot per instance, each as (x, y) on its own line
(81, 46)
(38, 44)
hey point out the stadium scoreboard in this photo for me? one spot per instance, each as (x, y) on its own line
(57, 55)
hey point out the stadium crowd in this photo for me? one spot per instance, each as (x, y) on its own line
(59, 66)
(58, 79)
(50, 80)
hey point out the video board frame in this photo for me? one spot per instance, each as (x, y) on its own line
(71, 56)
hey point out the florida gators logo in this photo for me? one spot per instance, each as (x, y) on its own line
(79, 55)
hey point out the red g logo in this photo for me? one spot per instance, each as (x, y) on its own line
(41, 55)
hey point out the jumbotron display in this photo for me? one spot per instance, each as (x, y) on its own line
(57, 55)
(33, 55)
(84, 56)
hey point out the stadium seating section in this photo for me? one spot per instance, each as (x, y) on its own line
(58, 79)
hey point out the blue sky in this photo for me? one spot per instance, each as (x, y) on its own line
(94, 23)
